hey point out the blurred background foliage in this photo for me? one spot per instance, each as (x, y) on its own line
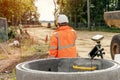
(19, 11)
(77, 11)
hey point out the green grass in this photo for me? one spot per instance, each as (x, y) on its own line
(100, 28)
(97, 28)
(13, 74)
(108, 29)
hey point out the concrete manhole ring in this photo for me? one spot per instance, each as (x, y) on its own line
(62, 69)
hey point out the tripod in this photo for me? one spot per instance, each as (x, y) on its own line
(97, 51)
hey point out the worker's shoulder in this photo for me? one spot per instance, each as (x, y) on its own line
(73, 30)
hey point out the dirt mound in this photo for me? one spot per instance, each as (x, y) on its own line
(6, 66)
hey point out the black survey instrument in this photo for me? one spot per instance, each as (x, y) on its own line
(97, 50)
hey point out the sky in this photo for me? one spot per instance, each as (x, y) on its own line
(46, 9)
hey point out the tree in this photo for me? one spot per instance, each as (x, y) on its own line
(118, 5)
(72, 8)
(77, 9)
(99, 7)
(16, 11)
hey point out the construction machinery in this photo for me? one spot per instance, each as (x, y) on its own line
(112, 19)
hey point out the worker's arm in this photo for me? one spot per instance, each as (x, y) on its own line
(53, 46)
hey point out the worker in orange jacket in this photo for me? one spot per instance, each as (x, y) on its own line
(62, 43)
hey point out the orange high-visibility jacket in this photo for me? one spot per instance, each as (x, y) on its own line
(62, 43)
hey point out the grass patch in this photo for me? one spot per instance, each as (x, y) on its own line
(108, 29)
(13, 74)
(3, 56)
(100, 28)
(30, 48)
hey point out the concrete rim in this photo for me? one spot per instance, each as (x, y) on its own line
(22, 67)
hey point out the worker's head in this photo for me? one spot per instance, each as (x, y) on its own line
(62, 20)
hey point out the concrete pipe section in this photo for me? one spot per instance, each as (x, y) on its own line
(68, 69)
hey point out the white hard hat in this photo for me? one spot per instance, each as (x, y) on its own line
(62, 18)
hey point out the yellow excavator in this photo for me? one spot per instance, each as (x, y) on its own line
(112, 19)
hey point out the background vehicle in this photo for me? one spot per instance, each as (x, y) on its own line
(112, 19)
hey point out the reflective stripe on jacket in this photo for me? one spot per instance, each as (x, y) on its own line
(62, 43)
